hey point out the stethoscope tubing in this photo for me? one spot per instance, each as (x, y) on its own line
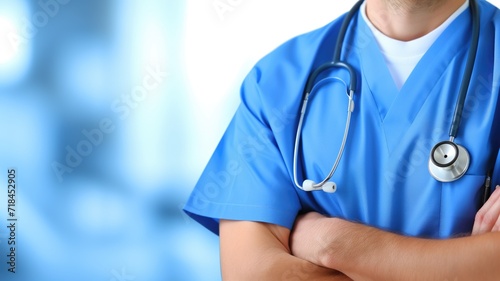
(471, 59)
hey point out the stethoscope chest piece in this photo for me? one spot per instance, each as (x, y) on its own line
(448, 161)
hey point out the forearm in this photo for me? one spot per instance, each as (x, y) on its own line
(257, 251)
(282, 266)
(365, 253)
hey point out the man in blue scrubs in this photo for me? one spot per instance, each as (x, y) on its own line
(389, 219)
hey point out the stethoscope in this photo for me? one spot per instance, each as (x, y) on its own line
(448, 161)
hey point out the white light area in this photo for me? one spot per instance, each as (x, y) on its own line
(15, 47)
(146, 123)
(144, 34)
(495, 2)
(153, 45)
(8, 49)
(144, 128)
(219, 54)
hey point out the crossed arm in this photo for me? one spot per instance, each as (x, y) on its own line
(259, 251)
(319, 248)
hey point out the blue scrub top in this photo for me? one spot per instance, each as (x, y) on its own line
(383, 178)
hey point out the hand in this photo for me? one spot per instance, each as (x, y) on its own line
(318, 239)
(303, 239)
(335, 243)
(488, 217)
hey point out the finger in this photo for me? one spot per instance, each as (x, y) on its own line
(488, 215)
(496, 227)
(485, 209)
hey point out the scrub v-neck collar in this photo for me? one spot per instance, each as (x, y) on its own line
(398, 108)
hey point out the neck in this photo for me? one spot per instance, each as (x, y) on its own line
(407, 20)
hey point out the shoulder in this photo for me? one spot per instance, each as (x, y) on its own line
(489, 36)
(279, 77)
(489, 12)
(301, 51)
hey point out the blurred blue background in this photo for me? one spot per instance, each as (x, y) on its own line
(109, 111)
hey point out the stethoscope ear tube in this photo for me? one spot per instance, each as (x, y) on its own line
(471, 59)
(343, 30)
(324, 184)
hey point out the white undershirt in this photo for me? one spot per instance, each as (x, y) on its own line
(402, 56)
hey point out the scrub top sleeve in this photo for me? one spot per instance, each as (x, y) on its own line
(246, 177)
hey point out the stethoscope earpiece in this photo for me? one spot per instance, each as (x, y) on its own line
(448, 161)
(328, 187)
